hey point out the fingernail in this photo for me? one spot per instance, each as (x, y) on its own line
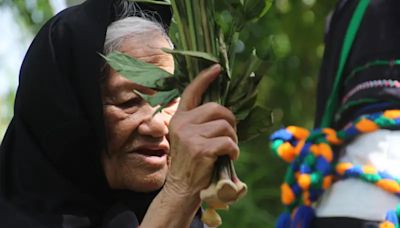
(215, 67)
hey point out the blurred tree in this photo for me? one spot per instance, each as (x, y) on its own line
(294, 31)
(291, 37)
(31, 14)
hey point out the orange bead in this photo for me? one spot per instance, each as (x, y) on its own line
(299, 147)
(326, 151)
(331, 136)
(388, 185)
(298, 132)
(286, 152)
(366, 125)
(315, 150)
(306, 198)
(326, 183)
(386, 225)
(392, 114)
(304, 181)
(287, 195)
(342, 167)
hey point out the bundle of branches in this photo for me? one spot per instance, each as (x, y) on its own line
(206, 32)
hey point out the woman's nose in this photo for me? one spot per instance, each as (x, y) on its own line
(154, 125)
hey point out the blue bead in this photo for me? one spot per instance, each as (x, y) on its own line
(315, 193)
(281, 134)
(305, 169)
(305, 150)
(354, 172)
(397, 121)
(391, 216)
(351, 132)
(384, 175)
(303, 217)
(323, 166)
(284, 220)
(296, 189)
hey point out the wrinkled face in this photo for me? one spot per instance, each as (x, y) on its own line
(138, 148)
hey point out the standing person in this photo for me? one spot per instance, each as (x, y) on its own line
(356, 138)
(84, 150)
(370, 85)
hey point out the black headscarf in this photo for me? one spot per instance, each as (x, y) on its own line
(377, 39)
(50, 166)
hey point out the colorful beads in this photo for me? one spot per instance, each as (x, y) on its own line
(331, 136)
(342, 167)
(286, 152)
(369, 169)
(389, 185)
(327, 182)
(287, 195)
(392, 114)
(311, 158)
(298, 132)
(304, 181)
(366, 125)
(369, 173)
(386, 225)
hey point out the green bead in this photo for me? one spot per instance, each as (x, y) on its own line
(398, 210)
(289, 176)
(373, 178)
(276, 144)
(315, 135)
(341, 135)
(309, 159)
(384, 122)
(316, 180)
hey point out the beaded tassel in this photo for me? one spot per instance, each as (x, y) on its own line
(312, 169)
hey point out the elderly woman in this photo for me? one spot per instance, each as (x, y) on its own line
(84, 150)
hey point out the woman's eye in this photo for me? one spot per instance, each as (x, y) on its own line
(131, 103)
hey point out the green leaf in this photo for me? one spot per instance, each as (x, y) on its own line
(258, 122)
(165, 2)
(255, 9)
(141, 73)
(162, 98)
(196, 54)
(224, 21)
(242, 107)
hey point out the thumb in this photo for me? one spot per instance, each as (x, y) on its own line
(191, 96)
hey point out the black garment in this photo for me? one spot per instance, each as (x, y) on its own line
(10, 217)
(343, 222)
(377, 39)
(50, 165)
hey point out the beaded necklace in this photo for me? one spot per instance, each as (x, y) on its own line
(313, 166)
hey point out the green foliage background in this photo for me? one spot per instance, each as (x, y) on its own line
(293, 30)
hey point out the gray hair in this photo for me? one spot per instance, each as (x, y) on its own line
(130, 26)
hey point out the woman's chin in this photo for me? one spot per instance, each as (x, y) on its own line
(149, 183)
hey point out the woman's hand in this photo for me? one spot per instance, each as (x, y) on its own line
(198, 135)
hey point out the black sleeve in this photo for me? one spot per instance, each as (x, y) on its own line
(121, 217)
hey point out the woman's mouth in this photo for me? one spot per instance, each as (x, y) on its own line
(152, 157)
(151, 152)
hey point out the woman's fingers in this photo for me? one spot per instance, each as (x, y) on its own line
(191, 96)
(220, 146)
(212, 111)
(199, 134)
(217, 128)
